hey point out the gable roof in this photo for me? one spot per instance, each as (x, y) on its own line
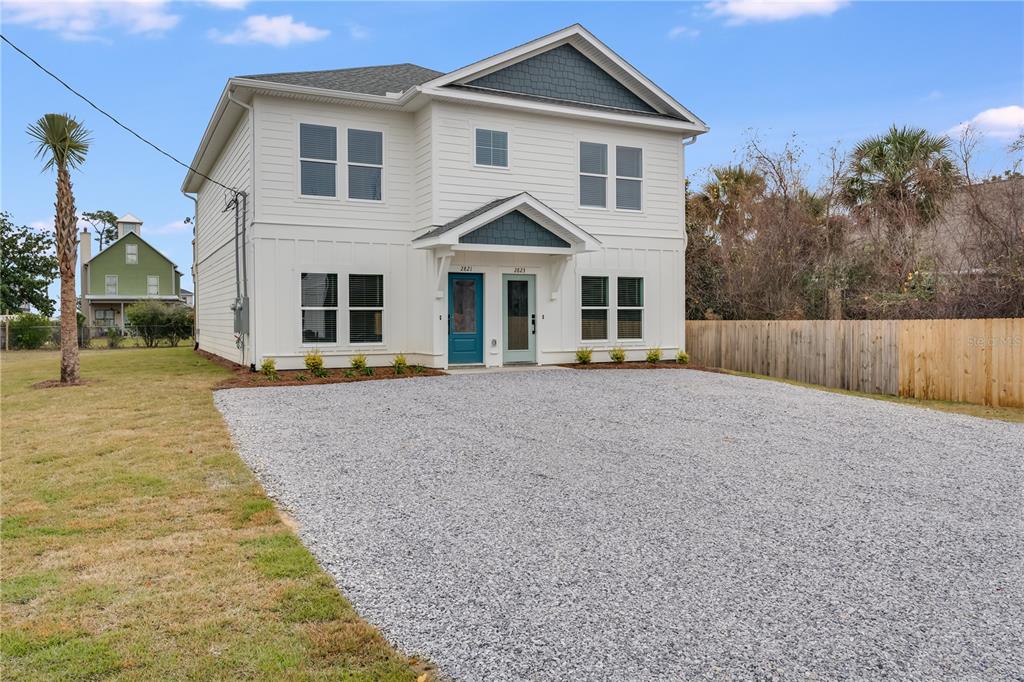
(368, 80)
(128, 218)
(139, 237)
(449, 234)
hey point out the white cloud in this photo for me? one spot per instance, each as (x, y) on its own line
(934, 95)
(682, 32)
(176, 227)
(227, 4)
(743, 11)
(357, 31)
(1001, 122)
(277, 31)
(92, 19)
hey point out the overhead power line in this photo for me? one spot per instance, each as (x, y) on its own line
(113, 118)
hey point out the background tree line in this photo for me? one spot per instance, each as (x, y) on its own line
(898, 228)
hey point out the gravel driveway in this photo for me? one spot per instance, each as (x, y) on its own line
(662, 524)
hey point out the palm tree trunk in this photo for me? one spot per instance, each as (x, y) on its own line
(65, 225)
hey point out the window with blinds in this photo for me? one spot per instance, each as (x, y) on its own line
(593, 174)
(366, 308)
(365, 165)
(319, 305)
(594, 308)
(629, 173)
(318, 160)
(630, 309)
(491, 148)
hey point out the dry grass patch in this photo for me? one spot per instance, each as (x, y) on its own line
(137, 545)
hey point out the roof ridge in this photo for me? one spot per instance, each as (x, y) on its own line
(347, 68)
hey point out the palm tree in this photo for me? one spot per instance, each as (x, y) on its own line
(62, 142)
(905, 174)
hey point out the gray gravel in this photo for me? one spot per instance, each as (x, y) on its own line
(664, 524)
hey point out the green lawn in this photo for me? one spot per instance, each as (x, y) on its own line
(137, 545)
(1006, 414)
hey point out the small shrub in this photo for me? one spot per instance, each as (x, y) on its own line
(301, 377)
(584, 355)
(617, 355)
(149, 320)
(683, 358)
(366, 371)
(349, 373)
(269, 369)
(654, 355)
(417, 369)
(359, 362)
(314, 360)
(400, 365)
(30, 331)
(178, 324)
(114, 337)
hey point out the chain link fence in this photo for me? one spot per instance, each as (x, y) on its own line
(15, 335)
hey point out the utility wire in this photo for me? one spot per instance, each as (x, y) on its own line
(112, 118)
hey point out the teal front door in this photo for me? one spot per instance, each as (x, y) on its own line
(519, 318)
(465, 318)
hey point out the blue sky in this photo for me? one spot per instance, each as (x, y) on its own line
(828, 71)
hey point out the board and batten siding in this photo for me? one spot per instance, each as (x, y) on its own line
(215, 255)
(544, 161)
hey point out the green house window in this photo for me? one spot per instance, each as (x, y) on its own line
(110, 282)
(131, 254)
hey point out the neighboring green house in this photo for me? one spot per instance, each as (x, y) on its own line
(128, 270)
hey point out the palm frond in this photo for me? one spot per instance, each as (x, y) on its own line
(61, 141)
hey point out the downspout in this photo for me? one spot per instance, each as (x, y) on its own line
(245, 211)
(686, 143)
(195, 259)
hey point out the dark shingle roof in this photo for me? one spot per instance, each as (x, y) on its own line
(369, 80)
(465, 217)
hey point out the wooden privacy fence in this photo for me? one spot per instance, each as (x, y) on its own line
(973, 361)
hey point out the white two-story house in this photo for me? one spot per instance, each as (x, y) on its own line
(510, 211)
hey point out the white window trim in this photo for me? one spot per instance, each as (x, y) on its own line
(641, 308)
(96, 315)
(625, 177)
(580, 173)
(607, 308)
(106, 284)
(383, 172)
(127, 248)
(508, 150)
(383, 317)
(318, 270)
(300, 159)
(149, 285)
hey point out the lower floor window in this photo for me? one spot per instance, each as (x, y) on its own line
(630, 309)
(105, 318)
(365, 308)
(319, 307)
(594, 308)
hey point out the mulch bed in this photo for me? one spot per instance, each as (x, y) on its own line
(290, 377)
(639, 364)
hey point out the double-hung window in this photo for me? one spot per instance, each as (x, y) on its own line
(319, 307)
(593, 174)
(153, 285)
(491, 148)
(629, 173)
(110, 281)
(365, 164)
(365, 308)
(131, 254)
(318, 160)
(594, 308)
(630, 309)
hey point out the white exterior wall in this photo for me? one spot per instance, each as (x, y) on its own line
(215, 256)
(430, 178)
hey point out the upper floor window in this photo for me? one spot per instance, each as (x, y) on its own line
(110, 281)
(319, 306)
(491, 148)
(365, 164)
(629, 173)
(153, 285)
(365, 308)
(131, 254)
(318, 160)
(593, 174)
